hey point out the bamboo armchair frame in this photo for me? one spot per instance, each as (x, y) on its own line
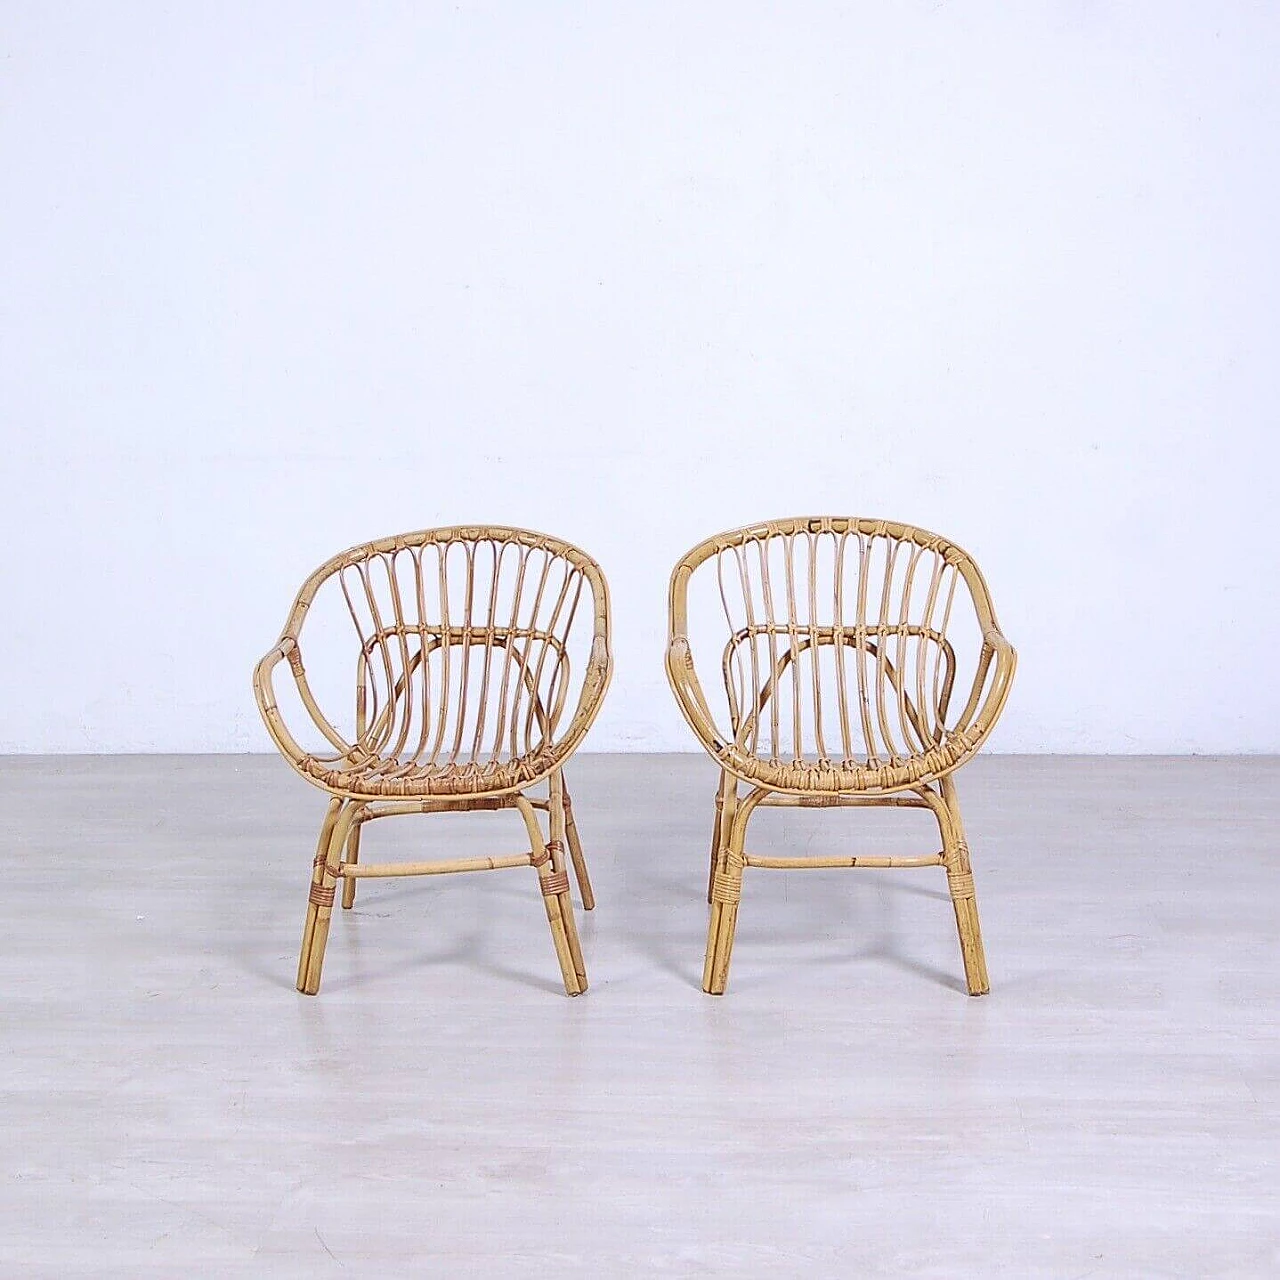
(875, 594)
(464, 672)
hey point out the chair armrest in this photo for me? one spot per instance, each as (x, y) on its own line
(689, 695)
(264, 692)
(995, 645)
(595, 681)
(994, 637)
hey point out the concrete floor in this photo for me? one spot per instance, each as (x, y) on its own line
(169, 1106)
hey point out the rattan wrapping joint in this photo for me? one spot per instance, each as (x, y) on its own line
(725, 888)
(321, 896)
(556, 883)
(960, 884)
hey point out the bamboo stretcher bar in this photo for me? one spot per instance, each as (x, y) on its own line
(856, 860)
(442, 804)
(781, 800)
(370, 869)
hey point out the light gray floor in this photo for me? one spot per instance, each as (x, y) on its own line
(169, 1105)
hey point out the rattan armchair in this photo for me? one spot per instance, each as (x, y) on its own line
(845, 642)
(481, 658)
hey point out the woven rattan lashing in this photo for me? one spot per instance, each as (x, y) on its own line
(481, 656)
(857, 662)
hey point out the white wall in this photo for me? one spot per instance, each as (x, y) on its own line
(280, 277)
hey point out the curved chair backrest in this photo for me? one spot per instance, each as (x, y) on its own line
(841, 642)
(472, 644)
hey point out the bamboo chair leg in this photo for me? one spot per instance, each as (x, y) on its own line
(726, 891)
(316, 893)
(963, 896)
(720, 934)
(723, 805)
(322, 898)
(557, 820)
(352, 859)
(553, 880)
(575, 851)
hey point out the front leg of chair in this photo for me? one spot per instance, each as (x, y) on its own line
(324, 870)
(963, 896)
(575, 846)
(547, 858)
(725, 795)
(726, 892)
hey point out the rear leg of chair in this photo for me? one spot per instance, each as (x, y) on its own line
(963, 896)
(324, 877)
(351, 860)
(553, 880)
(557, 820)
(575, 850)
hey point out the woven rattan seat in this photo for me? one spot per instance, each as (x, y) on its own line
(375, 778)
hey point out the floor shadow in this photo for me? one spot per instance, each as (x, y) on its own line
(677, 952)
(940, 977)
(495, 970)
(284, 977)
(915, 890)
(680, 954)
(468, 952)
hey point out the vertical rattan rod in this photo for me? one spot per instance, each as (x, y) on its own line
(317, 876)
(352, 859)
(964, 897)
(726, 892)
(554, 901)
(320, 900)
(726, 795)
(575, 847)
(946, 808)
(558, 848)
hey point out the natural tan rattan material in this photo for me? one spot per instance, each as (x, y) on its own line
(470, 645)
(844, 647)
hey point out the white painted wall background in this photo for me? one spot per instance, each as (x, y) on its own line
(280, 277)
